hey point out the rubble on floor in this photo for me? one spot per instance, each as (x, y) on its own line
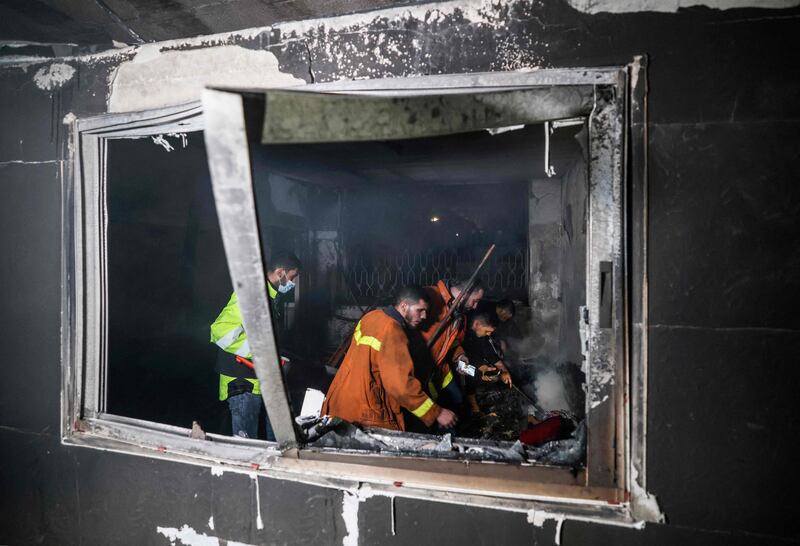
(568, 452)
(502, 415)
(332, 432)
(347, 437)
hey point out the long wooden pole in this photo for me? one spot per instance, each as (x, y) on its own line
(460, 298)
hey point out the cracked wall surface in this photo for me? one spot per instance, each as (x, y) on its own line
(723, 210)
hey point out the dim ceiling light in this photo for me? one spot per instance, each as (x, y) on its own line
(434, 218)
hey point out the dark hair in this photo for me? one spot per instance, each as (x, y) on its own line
(285, 260)
(506, 304)
(462, 284)
(487, 319)
(410, 294)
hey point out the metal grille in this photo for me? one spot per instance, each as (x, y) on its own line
(378, 277)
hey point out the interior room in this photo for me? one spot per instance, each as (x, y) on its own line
(366, 219)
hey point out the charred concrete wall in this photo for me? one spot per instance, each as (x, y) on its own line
(544, 277)
(547, 357)
(723, 213)
(574, 193)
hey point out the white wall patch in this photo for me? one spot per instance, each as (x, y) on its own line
(672, 6)
(259, 521)
(189, 537)
(538, 517)
(350, 502)
(643, 504)
(53, 76)
(154, 79)
(161, 141)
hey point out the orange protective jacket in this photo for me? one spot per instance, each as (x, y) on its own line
(376, 378)
(448, 345)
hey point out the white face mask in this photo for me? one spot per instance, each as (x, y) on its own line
(284, 288)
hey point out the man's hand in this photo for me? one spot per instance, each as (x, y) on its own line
(505, 375)
(461, 370)
(447, 419)
(488, 373)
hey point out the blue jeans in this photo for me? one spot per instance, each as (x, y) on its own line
(245, 411)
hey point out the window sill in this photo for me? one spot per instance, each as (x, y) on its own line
(556, 492)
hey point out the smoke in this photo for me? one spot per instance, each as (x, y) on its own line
(549, 391)
(550, 380)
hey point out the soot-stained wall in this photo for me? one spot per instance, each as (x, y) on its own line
(723, 214)
(548, 356)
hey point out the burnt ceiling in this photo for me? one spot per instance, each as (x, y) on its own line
(466, 158)
(61, 27)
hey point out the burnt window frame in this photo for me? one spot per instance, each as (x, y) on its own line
(614, 490)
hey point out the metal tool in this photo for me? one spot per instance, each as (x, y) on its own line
(537, 409)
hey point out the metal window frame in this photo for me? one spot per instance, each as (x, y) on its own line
(617, 412)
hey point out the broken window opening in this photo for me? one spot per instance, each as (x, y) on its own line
(167, 280)
(86, 419)
(280, 120)
(382, 215)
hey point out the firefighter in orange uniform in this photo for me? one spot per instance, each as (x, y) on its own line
(376, 379)
(447, 349)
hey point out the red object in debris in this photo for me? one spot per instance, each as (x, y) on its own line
(398, 484)
(543, 432)
(249, 363)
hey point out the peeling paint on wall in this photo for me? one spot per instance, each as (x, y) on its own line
(402, 41)
(644, 506)
(54, 76)
(156, 78)
(671, 6)
(350, 502)
(259, 521)
(188, 536)
(161, 141)
(538, 517)
(351, 499)
(471, 10)
(383, 43)
(559, 527)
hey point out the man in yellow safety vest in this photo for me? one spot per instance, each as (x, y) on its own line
(238, 383)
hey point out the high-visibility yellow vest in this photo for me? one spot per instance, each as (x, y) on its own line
(227, 332)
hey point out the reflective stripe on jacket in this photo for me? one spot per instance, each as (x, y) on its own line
(376, 378)
(227, 332)
(225, 381)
